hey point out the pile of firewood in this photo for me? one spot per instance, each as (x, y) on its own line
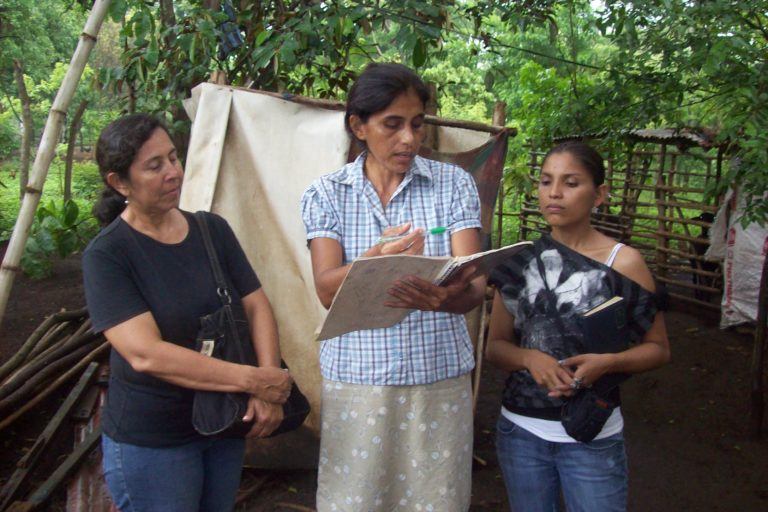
(62, 351)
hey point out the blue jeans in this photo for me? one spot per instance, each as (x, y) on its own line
(593, 476)
(199, 476)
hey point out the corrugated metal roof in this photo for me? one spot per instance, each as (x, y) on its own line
(684, 137)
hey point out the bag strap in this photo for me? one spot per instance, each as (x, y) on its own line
(222, 289)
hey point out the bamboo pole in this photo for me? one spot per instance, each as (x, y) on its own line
(46, 151)
(428, 119)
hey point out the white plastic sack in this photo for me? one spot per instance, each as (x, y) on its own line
(743, 252)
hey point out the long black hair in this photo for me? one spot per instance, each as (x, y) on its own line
(377, 87)
(116, 149)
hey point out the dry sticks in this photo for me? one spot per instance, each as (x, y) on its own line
(54, 353)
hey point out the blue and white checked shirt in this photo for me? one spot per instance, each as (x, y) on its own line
(426, 346)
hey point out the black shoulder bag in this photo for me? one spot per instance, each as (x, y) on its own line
(225, 334)
(584, 414)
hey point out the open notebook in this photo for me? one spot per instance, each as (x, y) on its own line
(359, 302)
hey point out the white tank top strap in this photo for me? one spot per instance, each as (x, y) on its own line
(614, 252)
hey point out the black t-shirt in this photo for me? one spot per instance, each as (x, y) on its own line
(127, 273)
(576, 283)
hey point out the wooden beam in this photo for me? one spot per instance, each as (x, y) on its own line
(757, 393)
(10, 490)
(43, 493)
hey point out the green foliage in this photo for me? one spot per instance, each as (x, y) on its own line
(700, 64)
(9, 132)
(315, 48)
(59, 230)
(86, 186)
(561, 67)
(37, 33)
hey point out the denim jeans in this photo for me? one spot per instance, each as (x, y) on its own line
(201, 476)
(592, 476)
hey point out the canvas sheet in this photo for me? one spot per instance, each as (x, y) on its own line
(251, 157)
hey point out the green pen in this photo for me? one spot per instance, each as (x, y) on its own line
(432, 231)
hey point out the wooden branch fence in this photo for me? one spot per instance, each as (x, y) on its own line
(657, 204)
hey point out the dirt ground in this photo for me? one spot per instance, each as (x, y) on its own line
(686, 424)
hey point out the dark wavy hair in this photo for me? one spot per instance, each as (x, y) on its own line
(377, 87)
(586, 155)
(116, 149)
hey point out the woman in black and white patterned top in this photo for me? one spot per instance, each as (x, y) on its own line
(536, 335)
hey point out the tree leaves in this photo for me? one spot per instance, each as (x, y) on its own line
(58, 230)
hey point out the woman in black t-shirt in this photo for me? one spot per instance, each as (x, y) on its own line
(147, 282)
(536, 334)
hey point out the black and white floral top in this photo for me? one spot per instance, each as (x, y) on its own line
(578, 284)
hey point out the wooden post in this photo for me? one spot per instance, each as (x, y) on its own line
(757, 393)
(219, 77)
(524, 229)
(74, 128)
(661, 209)
(46, 151)
(500, 119)
(26, 134)
(431, 139)
(626, 207)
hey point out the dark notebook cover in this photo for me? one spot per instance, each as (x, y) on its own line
(606, 331)
(605, 327)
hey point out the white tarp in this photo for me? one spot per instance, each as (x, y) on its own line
(250, 158)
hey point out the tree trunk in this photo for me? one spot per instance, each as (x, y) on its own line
(74, 127)
(26, 120)
(168, 19)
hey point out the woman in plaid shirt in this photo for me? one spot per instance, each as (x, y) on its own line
(397, 408)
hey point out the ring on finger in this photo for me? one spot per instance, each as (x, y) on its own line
(577, 382)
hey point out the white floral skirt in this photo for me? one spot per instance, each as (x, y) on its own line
(396, 448)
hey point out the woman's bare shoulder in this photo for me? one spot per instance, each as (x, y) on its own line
(630, 262)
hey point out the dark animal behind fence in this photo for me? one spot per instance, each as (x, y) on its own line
(699, 248)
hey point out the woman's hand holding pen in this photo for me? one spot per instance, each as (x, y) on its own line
(411, 243)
